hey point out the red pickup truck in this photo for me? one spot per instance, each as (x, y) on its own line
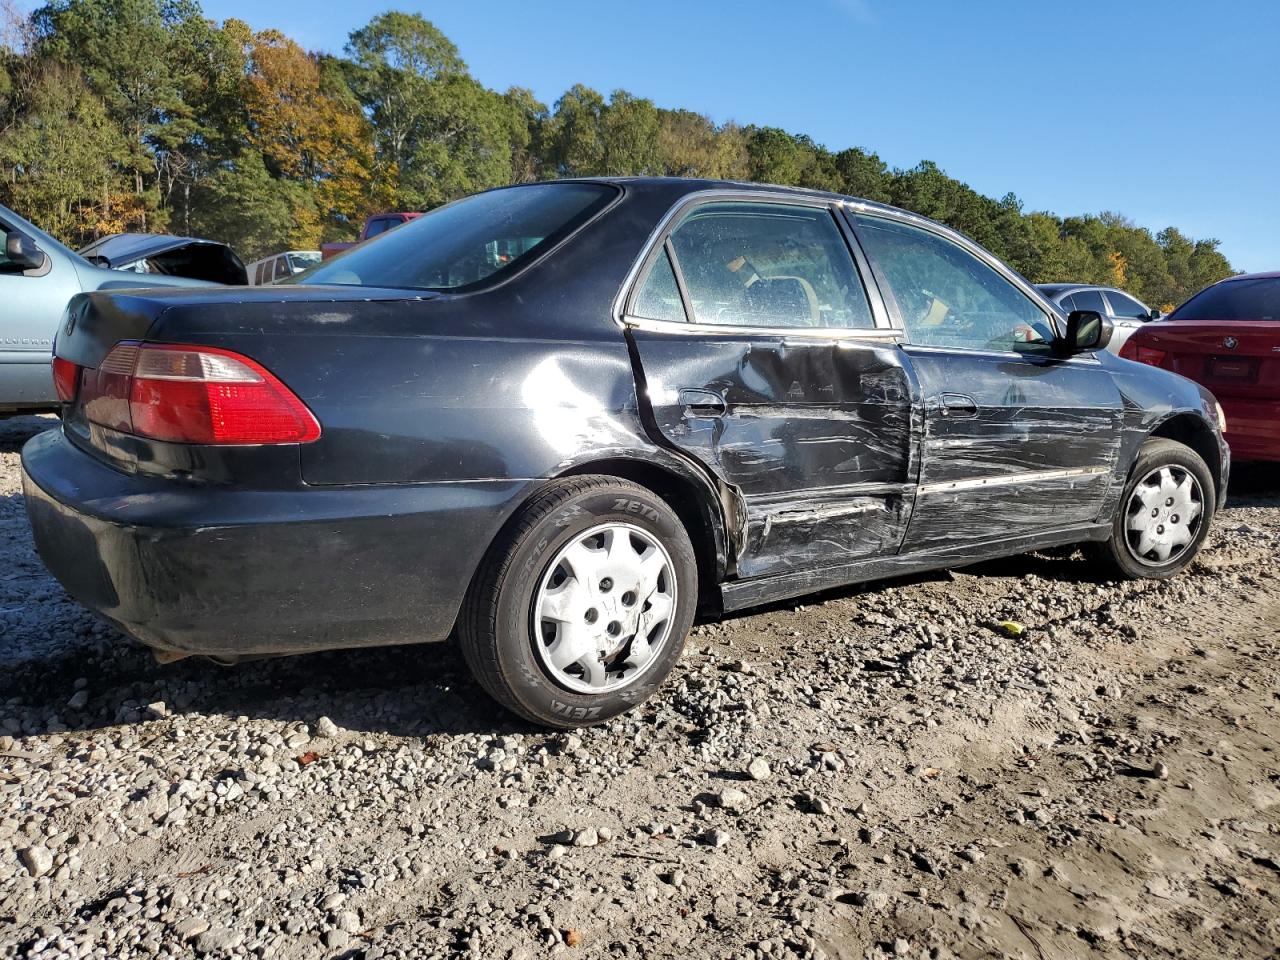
(378, 223)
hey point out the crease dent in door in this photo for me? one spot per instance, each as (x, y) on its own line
(732, 504)
(817, 435)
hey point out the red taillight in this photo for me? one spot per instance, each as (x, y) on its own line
(1149, 355)
(188, 394)
(66, 377)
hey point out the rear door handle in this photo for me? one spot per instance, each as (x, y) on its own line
(959, 405)
(702, 403)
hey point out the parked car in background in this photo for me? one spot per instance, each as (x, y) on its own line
(281, 266)
(1227, 337)
(378, 223)
(1126, 313)
(158, 254)
(38, 275)
(562, 416)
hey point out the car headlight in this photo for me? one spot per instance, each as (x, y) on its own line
(1222, 417)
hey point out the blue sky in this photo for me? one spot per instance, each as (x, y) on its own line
(1167, 112)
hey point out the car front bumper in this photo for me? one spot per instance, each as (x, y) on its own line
(230, 572)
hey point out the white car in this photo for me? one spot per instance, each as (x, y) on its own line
(1127, 314)
(281, 266)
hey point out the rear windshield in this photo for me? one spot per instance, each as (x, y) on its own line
(476, 240)
(1256, 299)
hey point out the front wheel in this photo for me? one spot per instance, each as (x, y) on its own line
(581, 609)
(1164, 513)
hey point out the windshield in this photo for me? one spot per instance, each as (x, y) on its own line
(1253, 299)
(473, 240)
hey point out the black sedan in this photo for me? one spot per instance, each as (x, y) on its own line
(556, 420)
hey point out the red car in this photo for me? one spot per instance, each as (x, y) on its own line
(1227, 338)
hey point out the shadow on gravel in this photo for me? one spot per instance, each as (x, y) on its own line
(1254, 485)
(15, 431)
(406, 691)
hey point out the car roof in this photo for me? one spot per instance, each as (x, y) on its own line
(1265, 275)
(1053, 289)
(695, 184)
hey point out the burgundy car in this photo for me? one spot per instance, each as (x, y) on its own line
(1227, 338)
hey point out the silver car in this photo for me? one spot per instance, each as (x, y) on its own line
(281, 266)
(1127, 314)
(38, 275)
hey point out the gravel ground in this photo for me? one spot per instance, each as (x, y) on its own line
(877, 772)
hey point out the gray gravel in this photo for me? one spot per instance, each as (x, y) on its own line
(876, 773)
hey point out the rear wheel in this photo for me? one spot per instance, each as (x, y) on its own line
(581, 609)
(1164, 514)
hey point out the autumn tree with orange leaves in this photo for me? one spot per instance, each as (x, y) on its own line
(309, 133)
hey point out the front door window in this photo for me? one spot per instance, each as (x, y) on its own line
(946, 296)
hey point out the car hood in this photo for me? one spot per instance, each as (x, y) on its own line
(190, 257)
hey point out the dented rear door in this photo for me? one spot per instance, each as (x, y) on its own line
(780, 383)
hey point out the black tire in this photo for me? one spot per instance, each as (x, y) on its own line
(495, 626)
(1117, 553)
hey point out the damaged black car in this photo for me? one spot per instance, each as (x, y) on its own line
(558, 420)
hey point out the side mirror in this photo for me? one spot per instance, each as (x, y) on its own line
(21, 251)
(1155, 314)
(1086, 330)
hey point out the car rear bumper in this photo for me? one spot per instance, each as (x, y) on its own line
(1253, 428)
(230, 572)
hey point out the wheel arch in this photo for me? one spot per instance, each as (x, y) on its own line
(1192, 430)
(693, 503)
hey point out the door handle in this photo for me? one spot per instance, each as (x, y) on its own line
(958, 405)
(703, 403)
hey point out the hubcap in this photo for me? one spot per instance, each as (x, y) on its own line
(604, 608)
(1163, 515)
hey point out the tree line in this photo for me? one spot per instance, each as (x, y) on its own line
(144, 115)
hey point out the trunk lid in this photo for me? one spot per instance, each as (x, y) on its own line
(1233, 358)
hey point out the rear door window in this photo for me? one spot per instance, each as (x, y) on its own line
(1089, 300)
(768, 265)
(1126, 307)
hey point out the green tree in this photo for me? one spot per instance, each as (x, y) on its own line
(397, 61)
(526, 117)
(775, 156)
(861, 174)
(573, 138)
(61, 160)
(128, 52)
(256, 213)
(629, 136)
(439, 133)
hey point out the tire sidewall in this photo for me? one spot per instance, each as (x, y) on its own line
(1152, 458)
(520, 665)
